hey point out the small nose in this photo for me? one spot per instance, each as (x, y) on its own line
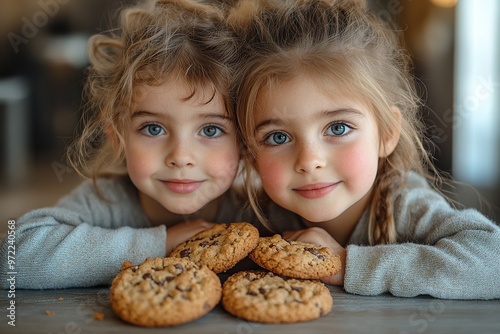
(309, 158)
(180, 154)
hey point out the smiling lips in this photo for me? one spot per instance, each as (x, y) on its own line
(183, 186)
(315, 190)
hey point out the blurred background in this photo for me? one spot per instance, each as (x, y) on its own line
(454, 45)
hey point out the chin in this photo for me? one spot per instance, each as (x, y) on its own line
(183, 210)
(317, 218)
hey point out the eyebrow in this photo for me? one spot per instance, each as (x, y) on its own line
(208, 115)
(324, 114)
(143, 113)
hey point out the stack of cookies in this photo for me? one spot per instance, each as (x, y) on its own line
(183, 287)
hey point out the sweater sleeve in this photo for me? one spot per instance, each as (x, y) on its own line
(441, 251)
(82, 241)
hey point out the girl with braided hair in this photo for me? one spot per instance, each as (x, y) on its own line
(328, 112)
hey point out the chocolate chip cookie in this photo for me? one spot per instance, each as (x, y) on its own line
(164, 292)
(262, 296)
(220, 247)
(295, 258)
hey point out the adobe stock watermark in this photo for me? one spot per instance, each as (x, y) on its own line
(421, 319)
(392, 8)
(31, 25)
(246, 327)
(60, 169)
(465, 108)
(88, 315)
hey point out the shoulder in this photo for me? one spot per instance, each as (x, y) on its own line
(417, 192)
(106, 197)
(416, 181)
(420, 211)
(109, 189)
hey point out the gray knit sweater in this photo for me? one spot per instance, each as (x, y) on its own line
(440, 251)
(82, 241)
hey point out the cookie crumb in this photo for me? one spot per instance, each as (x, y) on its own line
(98, 316)
(50, 313)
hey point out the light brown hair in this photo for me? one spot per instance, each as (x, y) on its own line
(342, 42)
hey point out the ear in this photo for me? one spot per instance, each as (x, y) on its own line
(390, 140)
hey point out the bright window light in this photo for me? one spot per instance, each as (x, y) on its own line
(476, 121)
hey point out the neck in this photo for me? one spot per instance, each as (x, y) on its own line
(158, 215)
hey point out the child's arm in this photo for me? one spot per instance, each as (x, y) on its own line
(82, 241)
(442, 252)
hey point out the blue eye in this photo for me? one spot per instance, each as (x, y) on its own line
(153, 130)
(277, 138)
(211, 131)
(338, 129)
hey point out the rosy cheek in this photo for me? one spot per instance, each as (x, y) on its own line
(359, 167)
(135, 170)
(226, 166)
(138, 163)
(273, 175)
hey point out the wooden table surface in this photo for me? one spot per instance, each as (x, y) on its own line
(72, 311)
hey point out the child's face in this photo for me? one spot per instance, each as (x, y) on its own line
(181, 153)
(317, 153)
